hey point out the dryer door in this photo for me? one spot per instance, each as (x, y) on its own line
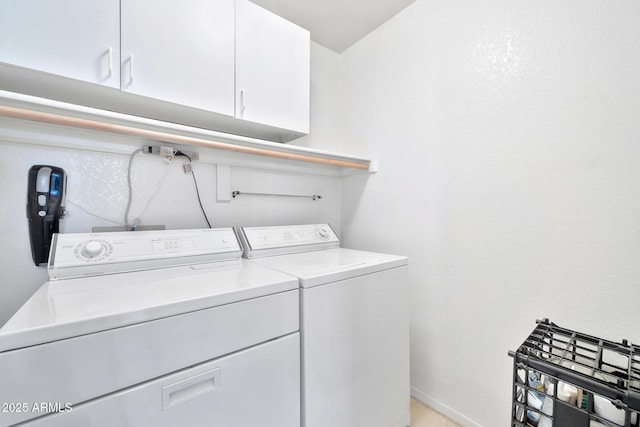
(256, 387)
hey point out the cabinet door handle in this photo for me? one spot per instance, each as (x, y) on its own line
(242, 107)
(131, 68)
(110, 59)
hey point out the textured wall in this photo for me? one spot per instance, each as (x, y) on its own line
(508, 138)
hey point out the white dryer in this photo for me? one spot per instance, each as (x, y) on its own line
(354, 325)
(153, 328)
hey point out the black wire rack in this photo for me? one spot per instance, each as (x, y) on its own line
(564, 378)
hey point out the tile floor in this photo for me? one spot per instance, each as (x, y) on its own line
(423, 416)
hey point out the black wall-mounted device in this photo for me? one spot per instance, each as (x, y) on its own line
(45, 207)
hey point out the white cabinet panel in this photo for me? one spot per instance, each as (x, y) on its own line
(272, 69)
(364, 380)
(73, 38)
(180, 51)
(256, 387)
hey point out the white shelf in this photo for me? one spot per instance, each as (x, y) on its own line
(117, 132)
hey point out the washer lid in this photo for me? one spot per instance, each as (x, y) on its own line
(72, 307)
(327, 266)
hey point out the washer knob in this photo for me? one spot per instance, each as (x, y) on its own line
(93, 249)
(323, 233)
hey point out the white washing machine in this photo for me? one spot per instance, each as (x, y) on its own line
(354, 325)
(153, 329)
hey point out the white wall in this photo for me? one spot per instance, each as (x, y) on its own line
(508, 141)
(325, 101)
(97, 182)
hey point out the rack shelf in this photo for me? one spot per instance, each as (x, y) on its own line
(566, 378)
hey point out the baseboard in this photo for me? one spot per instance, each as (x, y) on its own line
(445, 410)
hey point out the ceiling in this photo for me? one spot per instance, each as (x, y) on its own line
(336, 24)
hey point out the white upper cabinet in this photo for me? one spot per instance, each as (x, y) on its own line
(224, 65)
(180, 51)
(272, 69)
(73, 38)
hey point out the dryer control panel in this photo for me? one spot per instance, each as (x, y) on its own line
(89, 254)
(287, 239)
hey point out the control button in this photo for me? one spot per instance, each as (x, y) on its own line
(323, 233)
(166, 245)
(93, 249)
(42, 213)
(42, 200)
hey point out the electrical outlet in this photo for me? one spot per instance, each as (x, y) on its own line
(168, 151)
(151, 149)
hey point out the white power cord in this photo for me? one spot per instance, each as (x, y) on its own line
(130, 198)
(94, 215)
(136, 221)
(153, 196)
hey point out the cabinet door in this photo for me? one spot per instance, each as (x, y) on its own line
(73, 38)
(180, 51)
(272, 69)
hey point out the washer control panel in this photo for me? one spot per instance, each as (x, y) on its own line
(287, 239)
(84, 254)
